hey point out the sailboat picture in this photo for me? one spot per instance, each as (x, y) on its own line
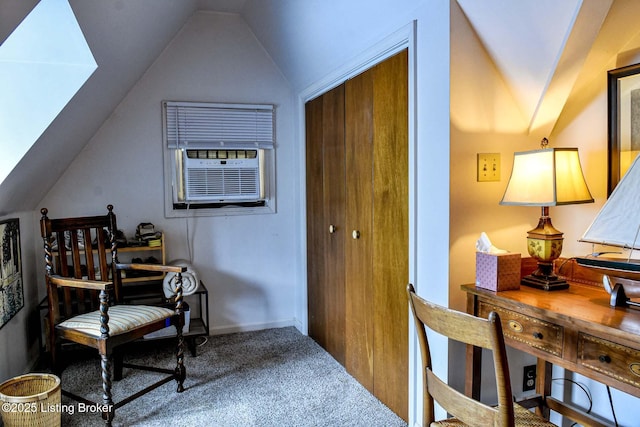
(618, 224)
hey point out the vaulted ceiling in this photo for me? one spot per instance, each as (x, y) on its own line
(540, 50)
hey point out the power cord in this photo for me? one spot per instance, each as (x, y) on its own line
(584, 388)
(188, 234)
(589, 397)
(564, 262)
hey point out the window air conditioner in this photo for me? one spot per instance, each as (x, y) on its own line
(234, 175)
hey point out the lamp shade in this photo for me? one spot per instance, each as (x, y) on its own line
(546, 177)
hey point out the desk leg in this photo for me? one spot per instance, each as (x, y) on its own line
(473, 369)
(473, 366)
(543, 385)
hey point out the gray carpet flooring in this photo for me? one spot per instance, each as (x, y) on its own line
(275, 377)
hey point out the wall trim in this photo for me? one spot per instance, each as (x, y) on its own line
(382, 50)
(248, 327)
(403, 38)
(392, 44)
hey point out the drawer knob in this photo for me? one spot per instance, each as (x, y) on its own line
(515, 326)
(332, 228)
(537, 335)
(604, 358)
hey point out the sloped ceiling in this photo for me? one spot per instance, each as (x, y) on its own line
(537, 49)
(125, 37)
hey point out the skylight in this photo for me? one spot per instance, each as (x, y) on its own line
(43, 63)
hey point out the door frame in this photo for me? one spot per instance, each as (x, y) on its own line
(404, 38)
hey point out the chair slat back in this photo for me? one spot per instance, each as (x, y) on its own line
(80, 247)
(467, 329)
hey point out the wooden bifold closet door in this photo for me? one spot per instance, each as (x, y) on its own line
(357, 227)
(325, 213)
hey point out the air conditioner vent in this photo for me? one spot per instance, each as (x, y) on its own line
(222, 178)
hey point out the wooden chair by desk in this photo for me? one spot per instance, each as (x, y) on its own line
(575, 328)
(461, 327)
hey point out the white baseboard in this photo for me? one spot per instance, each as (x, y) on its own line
(229, 329)
(302, 327)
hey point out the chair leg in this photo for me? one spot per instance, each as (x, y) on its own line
(180, 371)
(108, 412)
(57, 365)
(191, 346)
(118, 360)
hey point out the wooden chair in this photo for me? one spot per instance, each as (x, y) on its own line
(85, 301)
(485, 333)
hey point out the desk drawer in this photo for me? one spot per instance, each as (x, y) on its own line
(615, 360)
(534, 332)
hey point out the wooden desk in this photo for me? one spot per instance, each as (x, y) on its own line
(573, 328)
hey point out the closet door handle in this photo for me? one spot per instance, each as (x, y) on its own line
(355, 234)
(332, 228)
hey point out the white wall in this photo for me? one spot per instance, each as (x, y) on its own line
(312, 38)
(430, 236)
(19, 336)
(247, 262)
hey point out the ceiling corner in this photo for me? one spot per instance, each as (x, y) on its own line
(539, 48)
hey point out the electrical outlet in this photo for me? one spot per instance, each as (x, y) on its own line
(529, 378)
(488, 167)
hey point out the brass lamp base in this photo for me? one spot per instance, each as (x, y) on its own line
(547, 283)
(544, 243)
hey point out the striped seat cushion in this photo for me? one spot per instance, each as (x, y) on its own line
(122, 318)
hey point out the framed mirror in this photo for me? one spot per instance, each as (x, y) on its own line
(623, 85)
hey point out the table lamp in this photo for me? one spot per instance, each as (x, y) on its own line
(546, 177)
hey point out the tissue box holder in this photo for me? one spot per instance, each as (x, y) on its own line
(498, 272)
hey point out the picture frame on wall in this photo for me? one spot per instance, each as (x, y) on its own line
(623, 87)
(11, 284)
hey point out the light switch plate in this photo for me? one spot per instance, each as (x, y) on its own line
(488, 167)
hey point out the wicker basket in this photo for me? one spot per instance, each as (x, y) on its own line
(31, 400)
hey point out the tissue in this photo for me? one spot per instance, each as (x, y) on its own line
(483, 244)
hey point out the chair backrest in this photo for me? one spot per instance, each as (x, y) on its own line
(82, 247)
(467, 329)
